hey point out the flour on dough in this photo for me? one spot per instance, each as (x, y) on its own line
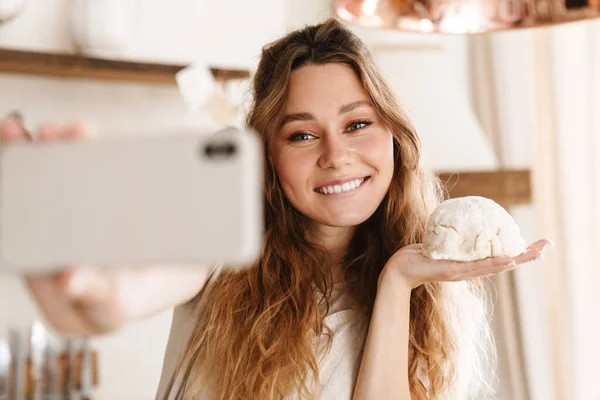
(471, 228)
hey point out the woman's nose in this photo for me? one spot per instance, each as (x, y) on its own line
(334, 153)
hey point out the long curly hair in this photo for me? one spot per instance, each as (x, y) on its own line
(254, 338)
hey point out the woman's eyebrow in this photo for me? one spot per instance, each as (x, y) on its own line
(346, 108)
(297, 117)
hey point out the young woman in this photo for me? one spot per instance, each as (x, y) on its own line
(341, 303)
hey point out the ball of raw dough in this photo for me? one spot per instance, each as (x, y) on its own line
(471, 228)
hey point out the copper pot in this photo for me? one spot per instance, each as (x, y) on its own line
(464, 16)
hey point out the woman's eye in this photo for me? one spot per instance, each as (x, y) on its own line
(300, 137)
(358, 125)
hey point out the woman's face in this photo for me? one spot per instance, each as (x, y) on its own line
(333, 155)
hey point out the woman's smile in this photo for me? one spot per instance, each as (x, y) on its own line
(342, 187)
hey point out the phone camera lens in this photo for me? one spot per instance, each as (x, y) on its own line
(219, 150)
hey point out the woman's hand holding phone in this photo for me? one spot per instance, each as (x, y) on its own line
(83, 300)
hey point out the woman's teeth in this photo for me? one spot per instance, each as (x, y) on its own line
(345, 187)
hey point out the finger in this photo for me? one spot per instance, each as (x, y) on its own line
(528, 256)
(541, 245)
(12, 130)
(49, 131)
(535, 252)
(87, 286)
(92, 292)
(464, 270)
(496, 265)
(54, 303)
(491, 269)
(79, 130)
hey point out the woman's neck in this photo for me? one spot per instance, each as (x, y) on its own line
(336, 241)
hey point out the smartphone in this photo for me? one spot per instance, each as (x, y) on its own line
(192, 198)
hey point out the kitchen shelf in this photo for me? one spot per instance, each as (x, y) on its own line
(77, 66)
(506, 187)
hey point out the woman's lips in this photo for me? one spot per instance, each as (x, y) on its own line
(342, 186)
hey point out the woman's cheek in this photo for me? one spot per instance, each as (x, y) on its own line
(377, 148)
(293, 172)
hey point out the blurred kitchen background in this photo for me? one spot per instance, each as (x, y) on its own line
(516, 114)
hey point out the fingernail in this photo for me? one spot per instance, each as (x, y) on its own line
(77, 285)
(539, 258)
(511, 265)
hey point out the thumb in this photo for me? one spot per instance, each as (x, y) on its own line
(88, 286)
(92, 292)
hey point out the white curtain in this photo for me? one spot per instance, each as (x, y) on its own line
(544, 86)
(497, 116)
(567, 186)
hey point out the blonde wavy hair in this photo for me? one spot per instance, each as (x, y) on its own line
(254, 338)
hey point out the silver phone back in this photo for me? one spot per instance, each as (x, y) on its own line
(133, 201)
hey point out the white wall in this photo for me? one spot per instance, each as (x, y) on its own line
(177, 31)
(432, 84)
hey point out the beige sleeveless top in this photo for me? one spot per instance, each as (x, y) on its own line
(338, 368)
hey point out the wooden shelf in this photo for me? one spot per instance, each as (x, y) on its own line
(507, 187)
(75, 66)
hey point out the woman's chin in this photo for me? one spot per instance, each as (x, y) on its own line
(345, 221)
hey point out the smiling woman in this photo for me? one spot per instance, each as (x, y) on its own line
(341, 304)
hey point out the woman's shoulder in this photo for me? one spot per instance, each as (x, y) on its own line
(184, 320)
